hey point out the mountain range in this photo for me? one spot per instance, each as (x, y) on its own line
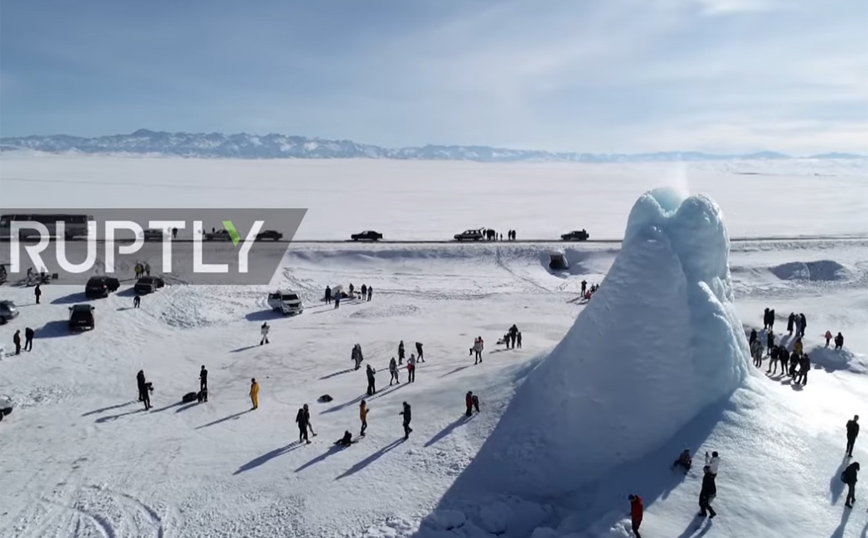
(278, 146)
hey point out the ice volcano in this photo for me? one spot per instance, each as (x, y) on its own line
(658, 343)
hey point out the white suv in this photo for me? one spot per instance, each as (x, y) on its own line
(286, 301)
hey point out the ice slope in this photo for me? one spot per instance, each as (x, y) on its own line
(657, 344)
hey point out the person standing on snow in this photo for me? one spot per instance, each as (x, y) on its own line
(794, 363)
(584, 286)
(147, 269)
(852, 434)
(798, 347)
(477, 349)
(756, 352)
(363, 416)
(752, 338)
(411, 369)
(770, 341)
(37, 292)
(713, 463)
(351, 290)
(804, 366)
(707, 493)
(401, 352)
(791, 320)
(849, 477)
(328, 295)
(406, 422)
(307, 419)
(772, 319)
(774, 355)
(137, 301)
(518, 339)
(393, 372)
(203, 379)
(419, 351)
(143, 389)
(766, 319)
(338, 299)
(301, 420)
(828, 337)
(803, 325)
(468, 403)
(264, 331)
(372, 389)
(254, 393)
(636, 513)
(839, 342)
(16, 339)
(784, 357)
(798, 326)
(364, 291)
(28, 339)
(370, 292)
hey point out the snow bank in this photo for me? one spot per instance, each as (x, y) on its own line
(659, 342)
(817, 271)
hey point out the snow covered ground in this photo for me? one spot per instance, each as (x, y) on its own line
(435, 200)
(81, 458)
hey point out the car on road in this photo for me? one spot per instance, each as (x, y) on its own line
(273, 235)
(219, 235)
(153, 234)
(6, 406)
(367, 235)
(8, 311)
(575, 235)
(470, 235)
(286, 301)
(101, 286)
(81, 317)
(148, 284)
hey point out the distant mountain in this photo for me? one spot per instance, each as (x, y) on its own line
(278, 146)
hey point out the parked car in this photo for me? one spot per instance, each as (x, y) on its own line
(367, 235)
(6, 406)
(152, 234)
(148, 284)
(286, 301)
(575, 235)
(81, 317)
(470, 235)
(8, 311)
(274, 235)
(3, 273)
(101, 286)
(219, 235)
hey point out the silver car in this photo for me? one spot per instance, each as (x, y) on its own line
(8, 311)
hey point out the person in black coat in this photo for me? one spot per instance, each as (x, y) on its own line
(328, 295)
(766, 319)
(203, 378)
(419, 355)
(794, 363)
(28, 339)
(849, 476)
(707, 494)
(804, 367)
(770, 341)
(407, 416)
(143, 389)
(839, 342)
(752, 337)
(772, 319)
(301, 420)
(307, 419)
(784, 357)
(791, 320)
(372, 389)
(852, 434)
(804, 324)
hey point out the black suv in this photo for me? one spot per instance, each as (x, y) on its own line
(101, 286)
(274, 235)
(575, 235)
(148, 284)
(81, 317)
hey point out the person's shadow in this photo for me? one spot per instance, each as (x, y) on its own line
(839, 532)
(696, 528)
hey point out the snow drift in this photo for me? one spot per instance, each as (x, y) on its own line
(818, 271)
(658, 343)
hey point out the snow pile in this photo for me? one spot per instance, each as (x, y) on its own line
(818, 271)
(658, 343)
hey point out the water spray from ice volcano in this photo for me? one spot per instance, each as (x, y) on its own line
(659, 342)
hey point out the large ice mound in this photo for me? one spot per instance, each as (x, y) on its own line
(818, 271)
(658, 343)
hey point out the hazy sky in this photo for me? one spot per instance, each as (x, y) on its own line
(575, 75)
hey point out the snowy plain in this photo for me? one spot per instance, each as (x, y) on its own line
(81, 458)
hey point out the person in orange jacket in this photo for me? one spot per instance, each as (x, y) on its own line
(254, 393)
(363, 416)
(636, 512)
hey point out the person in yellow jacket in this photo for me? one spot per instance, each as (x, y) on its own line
(363, 416)
(798, 347)
(254, 393)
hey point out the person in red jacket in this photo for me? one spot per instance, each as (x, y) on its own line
(636, 511)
